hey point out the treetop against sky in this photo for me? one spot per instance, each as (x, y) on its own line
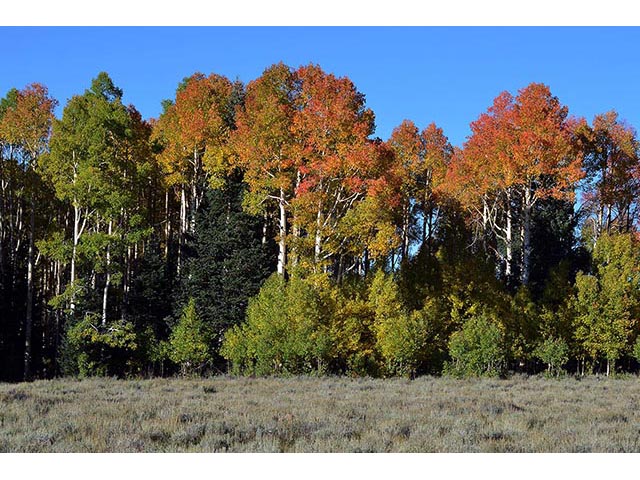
(446, 75)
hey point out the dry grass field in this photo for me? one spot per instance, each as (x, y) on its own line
(221, 414)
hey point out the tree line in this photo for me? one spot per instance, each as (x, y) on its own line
(264, 229)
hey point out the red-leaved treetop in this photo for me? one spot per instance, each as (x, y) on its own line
(263, 142)
(331, 129)
(519, 152)
(193, 132)
(421, 162)
(613, 169)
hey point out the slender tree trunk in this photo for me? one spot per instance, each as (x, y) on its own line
(429, 237)
(30, 284)
(317, 244)
(107, 283)
(167, 218)
(282, 245)
(485, 223)
(405, 231)
(526, 237)
(183, 226)
(195, 200)
(509, 238)
(74, 251)
(126, 280)
(58, 291)
(264, 227)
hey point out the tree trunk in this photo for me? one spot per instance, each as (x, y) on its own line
(282, 245)
(107, 283)
(129, 258)
(405, 231)
(76, 238)
(509, 238)
(168, 224)
(429, 237)
(264, 227)
(29, 314)
(195, 200)
(317, 244)
(58, 291)
(526, 237)
(183, 226)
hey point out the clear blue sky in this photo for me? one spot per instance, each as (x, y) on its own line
(432, 74)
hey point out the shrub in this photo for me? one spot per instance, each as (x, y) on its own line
(554, 352)
(477, 350)
(636, 349)
(401, 337)
(402, 340)
(354, 337)
(97, 350)
(188, 346)
(286, 331)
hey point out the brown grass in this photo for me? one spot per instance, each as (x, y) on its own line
(521, 414)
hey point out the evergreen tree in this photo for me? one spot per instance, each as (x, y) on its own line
(229, 261)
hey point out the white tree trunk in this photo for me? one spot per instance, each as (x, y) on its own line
(509, 237)
(282, 245)
(195, 200)
(317, 243)
(107, 283)
(264, 228)
(76, 239)
(526, 237)
(167, 219)
(183, 226)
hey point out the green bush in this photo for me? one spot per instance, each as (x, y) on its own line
(188, 345)
(286, 331)
(636, 349)
(402, 340)
(401, 336)
(477, 350)
(554, 352)
(96, 350)
(354, 337)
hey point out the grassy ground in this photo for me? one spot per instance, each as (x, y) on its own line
(522, 414)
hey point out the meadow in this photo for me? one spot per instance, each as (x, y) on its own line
(329, 414)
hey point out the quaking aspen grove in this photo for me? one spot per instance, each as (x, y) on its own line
(263, 229)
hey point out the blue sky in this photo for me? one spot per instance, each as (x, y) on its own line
(446, 75)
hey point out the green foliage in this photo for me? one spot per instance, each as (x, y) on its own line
(353, 332)
(478, 349)
(636, 349)
(189, 346)
(97, 350)
(286, 331)
(228, 261)
(402, 337)
(255, 347)
(521, 326)
(128, 244)
(606, 303)
(554, 352)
